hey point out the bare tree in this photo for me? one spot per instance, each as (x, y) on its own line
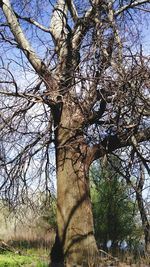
(77, 87)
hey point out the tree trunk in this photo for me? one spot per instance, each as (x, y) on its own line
(145, 222)
(75, 242)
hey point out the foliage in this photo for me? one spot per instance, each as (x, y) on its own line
(48, 212)
(114, 211)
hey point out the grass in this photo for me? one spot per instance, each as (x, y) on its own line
(14, 260)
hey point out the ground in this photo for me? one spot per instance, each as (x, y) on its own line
(28, 258)
(40, 258)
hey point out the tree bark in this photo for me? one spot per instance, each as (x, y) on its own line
(145, 222)
(142, 210)
(75, 242)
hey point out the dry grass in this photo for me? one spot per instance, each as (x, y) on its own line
(32, 238)
(126, 260)
(22, 234)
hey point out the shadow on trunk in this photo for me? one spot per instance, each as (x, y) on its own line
(75, 247)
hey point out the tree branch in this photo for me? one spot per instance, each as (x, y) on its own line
(111, 143)
(35, 98)
(81, 28)
(20, 38)
(34, 22)
(73, 10)
(131, 5)
(58, 25)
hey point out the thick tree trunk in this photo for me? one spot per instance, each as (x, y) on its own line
(74, 215)
(75, 243)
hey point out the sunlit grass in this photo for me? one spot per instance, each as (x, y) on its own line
(13, 260)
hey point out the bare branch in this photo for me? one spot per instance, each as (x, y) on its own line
(143, 9)
(111, 143)
(72, 9)
(130, 5)
(20, 38)
(115, 30)
(58, 25)
(34, 22)
(34, 97)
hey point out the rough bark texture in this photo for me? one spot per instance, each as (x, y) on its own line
(75, 239)
(74, 215)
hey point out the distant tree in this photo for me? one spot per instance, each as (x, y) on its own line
(113, 209)
(138, 186)
(136, 172)
(48, 212)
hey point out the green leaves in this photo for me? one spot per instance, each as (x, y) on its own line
(113, 209)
